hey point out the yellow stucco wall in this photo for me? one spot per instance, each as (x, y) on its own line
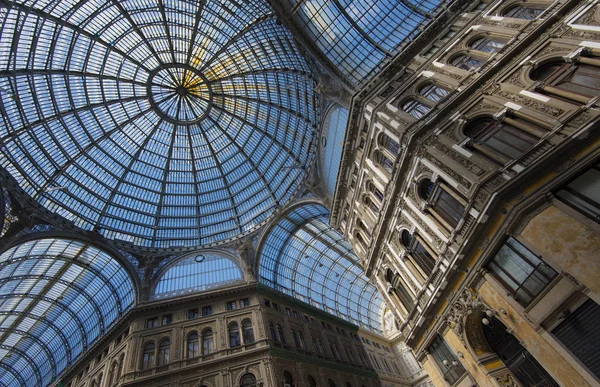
(566, 244)
(432, 371)
(468, 361)
(545, 354)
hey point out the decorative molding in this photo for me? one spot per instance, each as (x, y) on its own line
(467, 303)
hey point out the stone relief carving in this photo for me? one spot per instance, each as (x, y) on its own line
(460, 159)
(506, 380)
(466, 303)
(590, 17)
(539, 106)
(452, 173)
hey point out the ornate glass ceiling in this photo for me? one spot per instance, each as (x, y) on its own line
(56, 298)
(359, 35)
(332, 143)
(197, 273)
(305, 257)
(163, 123)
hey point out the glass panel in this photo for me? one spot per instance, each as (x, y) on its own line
(334, 132)
(583, 193)
(196, 274)
(154, 123)
(72, 292)
(304, 257)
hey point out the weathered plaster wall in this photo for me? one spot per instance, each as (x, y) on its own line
(567, 245)
(434, 373)
(470, 364)
(542, 350)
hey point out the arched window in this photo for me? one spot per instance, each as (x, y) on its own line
(561, 79)
(287, 378)
(100, 380)
(112, 375)
(331, 383)
(280, 332)
(498, 140)
(372, 188)
(384, 161)
(399, 289)
(301, 339)
(521, 12)
(371, 204)
(148, 356)
(418, 252)
(248, 380)
(320, 346)
(487, 45)
(272, 331)
(389, 144)
(163, 352)
(120, 371)
(467, 62)
(207, 342)
(311, 381)
(193, 349)
(248, 332)
(446, 206)
(415, 108)
(234, 335)
(433, 92)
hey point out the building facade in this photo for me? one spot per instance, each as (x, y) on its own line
(469, 188)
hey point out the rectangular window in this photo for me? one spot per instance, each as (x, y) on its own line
(449, 208)
(244, 303)
(192, 313)
(579, 333)
(521, 271)
(448, 362)
(167, 319)
(296, 315)
(232, 305)
(207, 310)
(583, 193)
(267, 303)
(288, 311)
(152, 322)
(275, 306)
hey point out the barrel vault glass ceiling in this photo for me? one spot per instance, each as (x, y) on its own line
(173, 123)
(359, 36)
(306, 258)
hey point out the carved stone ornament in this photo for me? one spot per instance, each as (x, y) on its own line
(507, 380)
(467, 303)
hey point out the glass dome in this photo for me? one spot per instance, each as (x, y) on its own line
(165, 124)
(306, 258)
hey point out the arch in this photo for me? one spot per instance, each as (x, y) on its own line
(208, 345)
(415, 108)
(248, 380)
(487, 44)
(334, 128)
(303, 256)
(384, 161)
(234, 335)
(311, 381)
(195, 273)
(523, 11)
(466, 62)
(560, 79)
(76, 292)
(425, 188)
(288, 378)
(498, 140)
(433, 92)
(384, 141)
(164, 352)
(193, 345)
(148, 356)
(247, 332)
(331, 383)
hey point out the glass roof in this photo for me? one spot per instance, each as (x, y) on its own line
(163, 123)
(304, 257)
(197, 273)
(56, 298)
(359, 35)
(334, 130)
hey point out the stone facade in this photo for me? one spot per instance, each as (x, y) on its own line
(427, 197)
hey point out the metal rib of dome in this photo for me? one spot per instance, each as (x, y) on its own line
(57, 297)
(306, 258)
(166, 124)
